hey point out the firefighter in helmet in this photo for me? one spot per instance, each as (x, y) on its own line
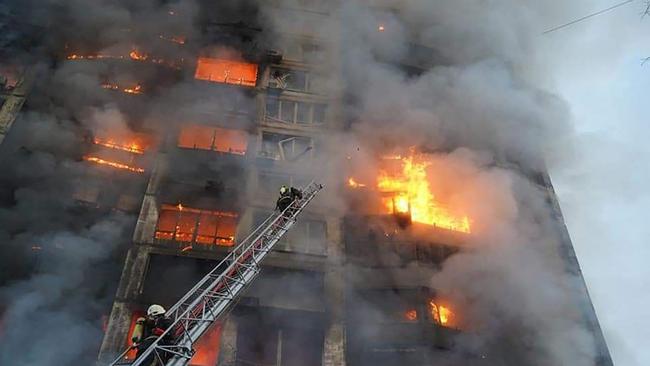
(148, 329)
(287, 196)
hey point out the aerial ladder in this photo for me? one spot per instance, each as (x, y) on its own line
(209, 299)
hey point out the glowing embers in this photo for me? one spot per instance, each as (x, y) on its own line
(213, 138)
(406, 190)
(135, 89)
(441, 314)
(191, 225)
(134, 146)
(411, 315)
(174, 39)
(133, 54)
(220, 70)
(113, 164)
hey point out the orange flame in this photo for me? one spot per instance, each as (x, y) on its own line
(441, 314)
(226, 71)
(92, 57)
(409, 191)
(354, 184)
(132, 147)
(135, 55)
(113, 164)
(134, 90)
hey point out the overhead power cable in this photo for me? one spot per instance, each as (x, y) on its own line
(587, 16)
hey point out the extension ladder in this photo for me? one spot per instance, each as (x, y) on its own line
(201, 306)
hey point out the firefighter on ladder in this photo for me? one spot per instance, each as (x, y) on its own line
(287, 196)
(148, 329)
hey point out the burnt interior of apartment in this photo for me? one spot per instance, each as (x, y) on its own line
(392, 315)
(276, 323)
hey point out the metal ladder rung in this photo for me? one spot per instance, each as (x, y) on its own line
(200, 307)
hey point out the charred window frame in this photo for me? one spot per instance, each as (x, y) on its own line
(203, 137)
(289, 148)
(188, 225)
(295, 80)
(295, 112)
(225, 71)
(434, 254)
(309, 235)
(298, 50)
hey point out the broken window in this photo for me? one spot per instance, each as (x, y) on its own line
(226, 71)
(318, 114)
(312, 53)
(186, 224)
(307, 236)
(294, 80)
(213, 138)
(87, 192)
(287, 111)
(280, 110)
(285, 147)
(302, 51)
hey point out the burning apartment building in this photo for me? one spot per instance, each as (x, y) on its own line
(437, 240)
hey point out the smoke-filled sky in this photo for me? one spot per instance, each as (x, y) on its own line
(596, 67)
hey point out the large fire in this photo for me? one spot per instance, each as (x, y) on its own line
(226, 71)
(407, 191)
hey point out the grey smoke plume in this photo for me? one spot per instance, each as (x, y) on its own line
(491, 127)
(60, 263)
(511, 282)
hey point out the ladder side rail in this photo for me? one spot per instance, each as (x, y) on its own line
(223, 261)
(202, 325)
(249, 272)
(200, 302)
(199, 299)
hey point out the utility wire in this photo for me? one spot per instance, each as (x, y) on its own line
(587, 17)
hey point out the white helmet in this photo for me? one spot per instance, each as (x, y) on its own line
(283, 189)
(155, 309)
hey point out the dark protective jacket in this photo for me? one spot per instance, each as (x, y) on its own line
(156, 327)
(287, 197)
(152, 329)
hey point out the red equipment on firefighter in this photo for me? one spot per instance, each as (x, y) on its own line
(148, 329)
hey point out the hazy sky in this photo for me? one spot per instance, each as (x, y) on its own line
(596, 67)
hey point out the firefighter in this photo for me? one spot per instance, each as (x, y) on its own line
(287, 196)
(148, 329)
